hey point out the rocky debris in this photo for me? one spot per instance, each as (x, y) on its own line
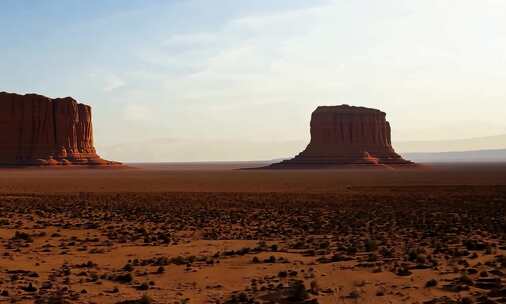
(143, 300)
(274, 292)
(405, 233)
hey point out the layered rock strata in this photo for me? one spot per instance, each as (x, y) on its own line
(37, 130)
(347, 135)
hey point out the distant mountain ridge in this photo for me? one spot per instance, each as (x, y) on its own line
(468, 144)
(477, 156)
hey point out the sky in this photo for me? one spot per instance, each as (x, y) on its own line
(187, 80)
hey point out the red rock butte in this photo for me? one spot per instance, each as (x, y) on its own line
(37, 130)
(347, 135)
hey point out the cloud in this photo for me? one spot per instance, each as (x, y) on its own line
(251, 56)
(179, 41)
(260, 76)
(113, 82)
(269, 23)
(105, 81)
(137, 112)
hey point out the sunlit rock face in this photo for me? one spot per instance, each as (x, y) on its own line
(37, 130)
(347, 135)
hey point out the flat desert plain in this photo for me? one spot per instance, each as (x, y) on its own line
(210, 233)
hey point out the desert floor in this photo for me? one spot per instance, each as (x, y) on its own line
(209, 233)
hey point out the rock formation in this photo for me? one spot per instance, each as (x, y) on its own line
(347, 135)
(37, 130)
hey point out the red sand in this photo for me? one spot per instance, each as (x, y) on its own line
(225, 177)
(209, 233)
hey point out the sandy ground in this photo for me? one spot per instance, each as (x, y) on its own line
(208, 233)
(226, 177)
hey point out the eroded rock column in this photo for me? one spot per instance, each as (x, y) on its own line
(37, 130)
(343, 135)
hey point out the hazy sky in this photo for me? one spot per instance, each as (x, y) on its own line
(218, 72)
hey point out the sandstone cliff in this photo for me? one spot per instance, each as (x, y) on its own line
(347, 135)
(37, 130)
